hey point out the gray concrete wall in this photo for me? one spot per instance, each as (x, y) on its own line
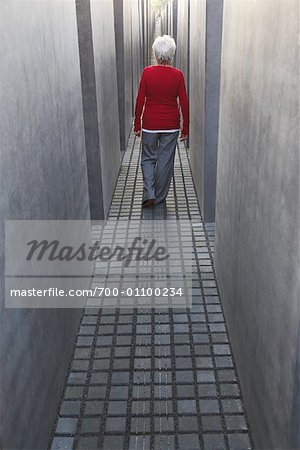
(128, 66)
(167, 19)
(119, 38)
(164, 20)
(214, 18)
(145, 17)
(182, 51)
(136, 40)
(170, 18)
(204, 82)
(141, 33)
(197, 97)
(43, 176)
(127, 12)
(257, 214)
(138, 25)
(102, 13)
(174, 14)
(294, 438)
(90, 108)
(136, 37)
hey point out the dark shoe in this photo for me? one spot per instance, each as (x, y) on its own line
(149, 202)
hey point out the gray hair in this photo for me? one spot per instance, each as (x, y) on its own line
(164, 48)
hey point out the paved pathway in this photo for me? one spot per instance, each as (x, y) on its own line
(155, 378)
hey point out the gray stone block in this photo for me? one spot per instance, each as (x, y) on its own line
(43, 176)
(257, 213)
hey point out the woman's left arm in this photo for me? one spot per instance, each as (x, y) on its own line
(139, 105)
(185, 109)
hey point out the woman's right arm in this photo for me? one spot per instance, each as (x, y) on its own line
(139, 105)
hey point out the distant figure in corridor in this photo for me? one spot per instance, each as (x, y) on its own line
(157, 119)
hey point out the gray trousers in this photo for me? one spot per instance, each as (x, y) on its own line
(157, 162)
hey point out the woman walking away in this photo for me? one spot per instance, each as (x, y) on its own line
(157, 119)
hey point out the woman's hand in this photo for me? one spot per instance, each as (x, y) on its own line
(137, 133)
(183, 137)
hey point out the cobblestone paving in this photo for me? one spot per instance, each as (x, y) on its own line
(210, 232)
(155, 378)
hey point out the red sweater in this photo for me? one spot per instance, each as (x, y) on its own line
(158, 91)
